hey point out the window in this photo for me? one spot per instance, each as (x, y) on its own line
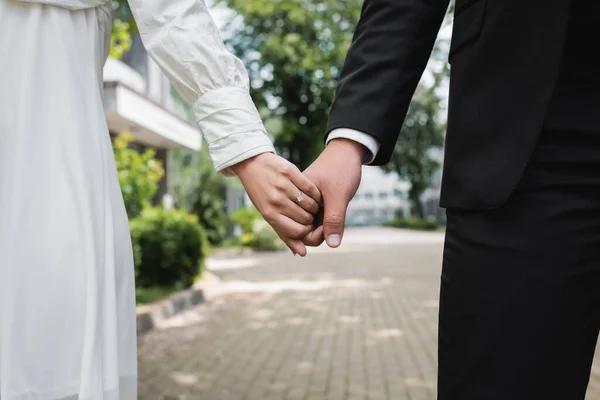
(401, 194)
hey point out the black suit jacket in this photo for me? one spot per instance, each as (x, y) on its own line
(505, 60)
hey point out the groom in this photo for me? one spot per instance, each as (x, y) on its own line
(520, 287)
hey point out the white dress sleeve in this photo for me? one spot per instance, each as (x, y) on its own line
(181, 36)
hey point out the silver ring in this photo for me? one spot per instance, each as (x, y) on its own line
(299, 198)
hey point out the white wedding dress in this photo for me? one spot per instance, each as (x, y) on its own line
(67, 294)
(67, 297)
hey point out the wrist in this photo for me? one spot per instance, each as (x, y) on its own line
(353, 149)
(240, 168)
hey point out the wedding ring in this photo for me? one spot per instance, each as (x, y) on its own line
(299, 198)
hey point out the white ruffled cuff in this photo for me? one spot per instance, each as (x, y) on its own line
(232, 127)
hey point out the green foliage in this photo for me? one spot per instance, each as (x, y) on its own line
(123, 27)
(169, 248)
(421, 134)
(120, 39)
(257, 234)
(264, 238)
(294, 50)
(246, 218)
(413, 223)
(122, 12)
(209, 210)
(139, 174)
(152, 294)
(200, 190)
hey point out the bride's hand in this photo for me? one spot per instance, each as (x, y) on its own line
(275, 185)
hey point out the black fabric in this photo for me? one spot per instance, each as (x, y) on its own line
(520, 298)
(576, 102)
(505, 57)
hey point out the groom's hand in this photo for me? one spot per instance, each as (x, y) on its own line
(337, 174)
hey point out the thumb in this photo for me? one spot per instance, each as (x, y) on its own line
(334, 218)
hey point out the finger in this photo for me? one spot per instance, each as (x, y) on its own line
(283, 204)
(306, 202)
(293, 211)
(296, 246)
(305, 185)
(314, 238)
(334, 217)
(286, 227)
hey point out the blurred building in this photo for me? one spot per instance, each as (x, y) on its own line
(139, 100)
(378, 198)
(431, 200)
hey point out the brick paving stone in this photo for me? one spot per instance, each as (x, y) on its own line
(358, 323)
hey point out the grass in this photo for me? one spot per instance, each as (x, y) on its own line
(414, 223)
(152, 294)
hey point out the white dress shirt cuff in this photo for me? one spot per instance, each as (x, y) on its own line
(240, 147)
(232, 127)
(365, 139)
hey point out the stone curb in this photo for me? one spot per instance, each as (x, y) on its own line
(150, 316)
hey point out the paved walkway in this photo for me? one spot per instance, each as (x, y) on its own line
(356, 323)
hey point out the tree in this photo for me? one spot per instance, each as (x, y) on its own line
(200, 190)
(294, 51)
(421, 134)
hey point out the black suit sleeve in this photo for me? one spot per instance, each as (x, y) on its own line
(390, 49)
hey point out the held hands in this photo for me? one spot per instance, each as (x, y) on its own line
(274, 185)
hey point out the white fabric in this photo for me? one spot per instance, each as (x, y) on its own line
(363, 138)
(182, 38)
(67, 296)
(70, 4)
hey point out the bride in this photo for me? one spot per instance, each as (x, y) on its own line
(67, 295)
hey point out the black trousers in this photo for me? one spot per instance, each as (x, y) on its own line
(520, 291)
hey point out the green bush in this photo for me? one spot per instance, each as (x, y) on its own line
(414, 223)
(257, 233)
(200, 190)
(246, 218)
(139, 174)
(264, 238)
(169, 248)
(211, 217)
(152, 294)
